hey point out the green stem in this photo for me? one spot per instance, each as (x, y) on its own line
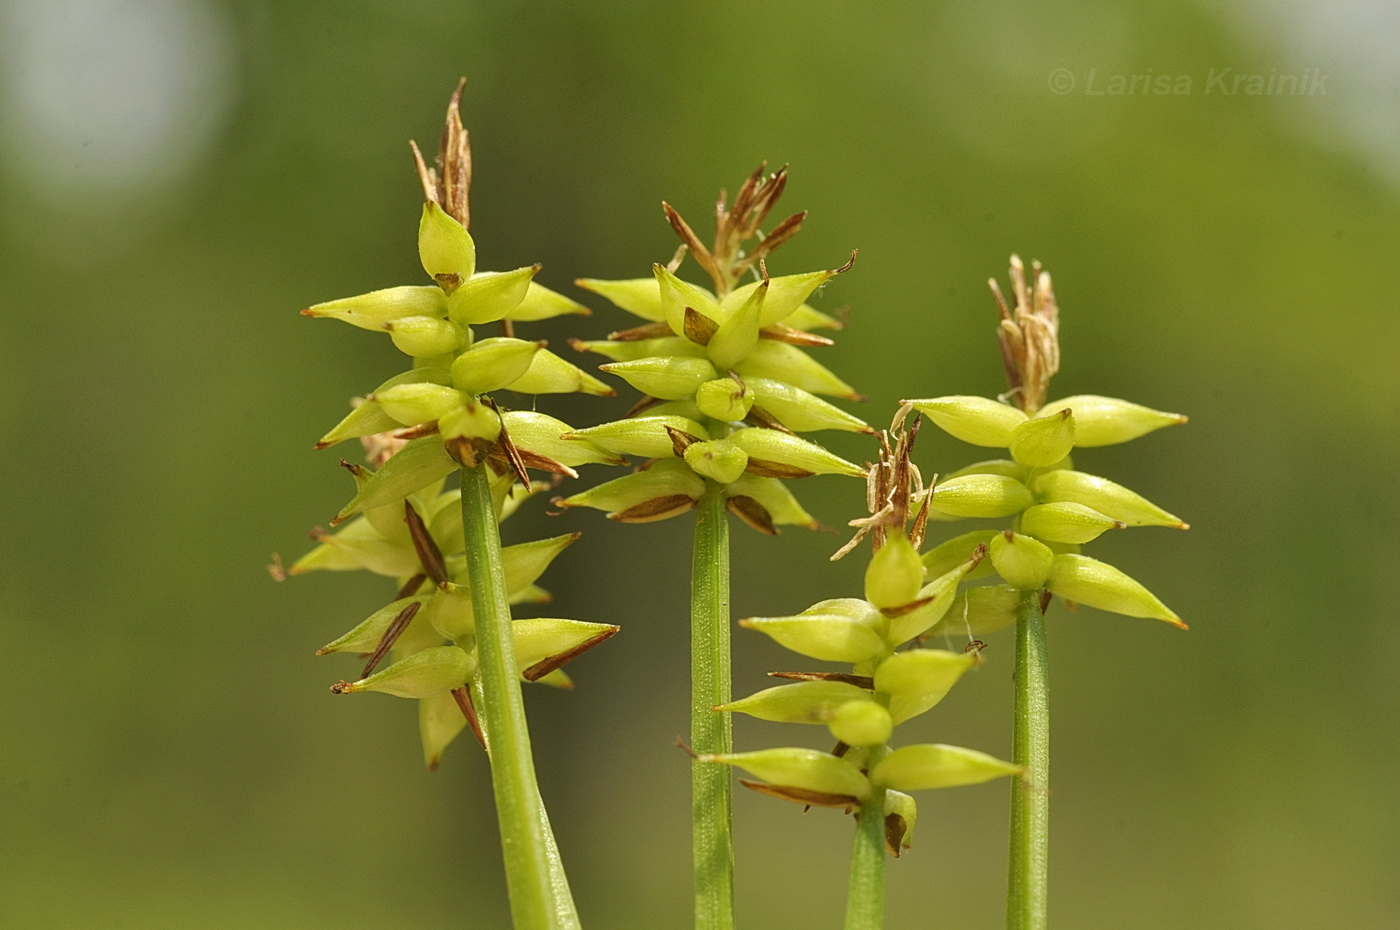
(1028, 894)
(865, 895)
(539, 893)
(711, 789)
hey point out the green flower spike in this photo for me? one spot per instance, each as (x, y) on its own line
(727, 383)
(1054, 509)
(886, 685)
(448, 638)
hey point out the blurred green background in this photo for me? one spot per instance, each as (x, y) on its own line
(179, 178)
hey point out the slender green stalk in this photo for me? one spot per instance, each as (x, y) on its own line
(1028, 893)
(539, 894)
(865, 895)
(712, 801)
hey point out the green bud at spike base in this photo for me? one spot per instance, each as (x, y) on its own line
(543, 434)
(976, 420)
(664, 490)
(644, 436)
(980, 496)
(1106, 421)
(1044, 440)
(785, 294)
(805, 769)
(417, 465)
(803, 702)
(541, 303)
(724, 399)
(676, 295)
(1066, 522)
(674, 378)
(799, 410)
(719, 459)
(934, 765)
(444, 246)
(947, 555)
(1022, 561)
(861, 723)
(938, 595)
(538, 639)
(1108, 498)
(490, 296)
(775, 497)
(920, 672)
(371, 311)
(829, 637)
(895, 573)
(426, 336)
(900, 816)
(471, 421)
(423, 674)
(449, 611)
(1088, 581)
(411, 404)
(366, 636)
(550, 374)
(981, 611)
(440, 721)
(493, 363)
(638, 296)
(783, 362)
(776, 454)
(738, 334)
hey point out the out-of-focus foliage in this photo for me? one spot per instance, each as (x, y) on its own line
(172, 755)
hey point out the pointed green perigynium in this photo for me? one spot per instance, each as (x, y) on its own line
(803, 769)
(1044, 440)
(1106, 421)
(932, 765)
(1024, 562)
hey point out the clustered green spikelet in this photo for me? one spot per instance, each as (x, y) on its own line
(886, 685)
(727, 380)
(1054, 507)
(421, 426)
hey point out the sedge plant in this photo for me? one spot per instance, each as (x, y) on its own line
(727, 385)
(1054, 509)
(449, 631)
(885, 686)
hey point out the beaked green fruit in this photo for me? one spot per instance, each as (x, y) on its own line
(1023, 562)
(976, 420)
(861, 723)
(933, 765)
(1043, 441)
(1106, 421)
